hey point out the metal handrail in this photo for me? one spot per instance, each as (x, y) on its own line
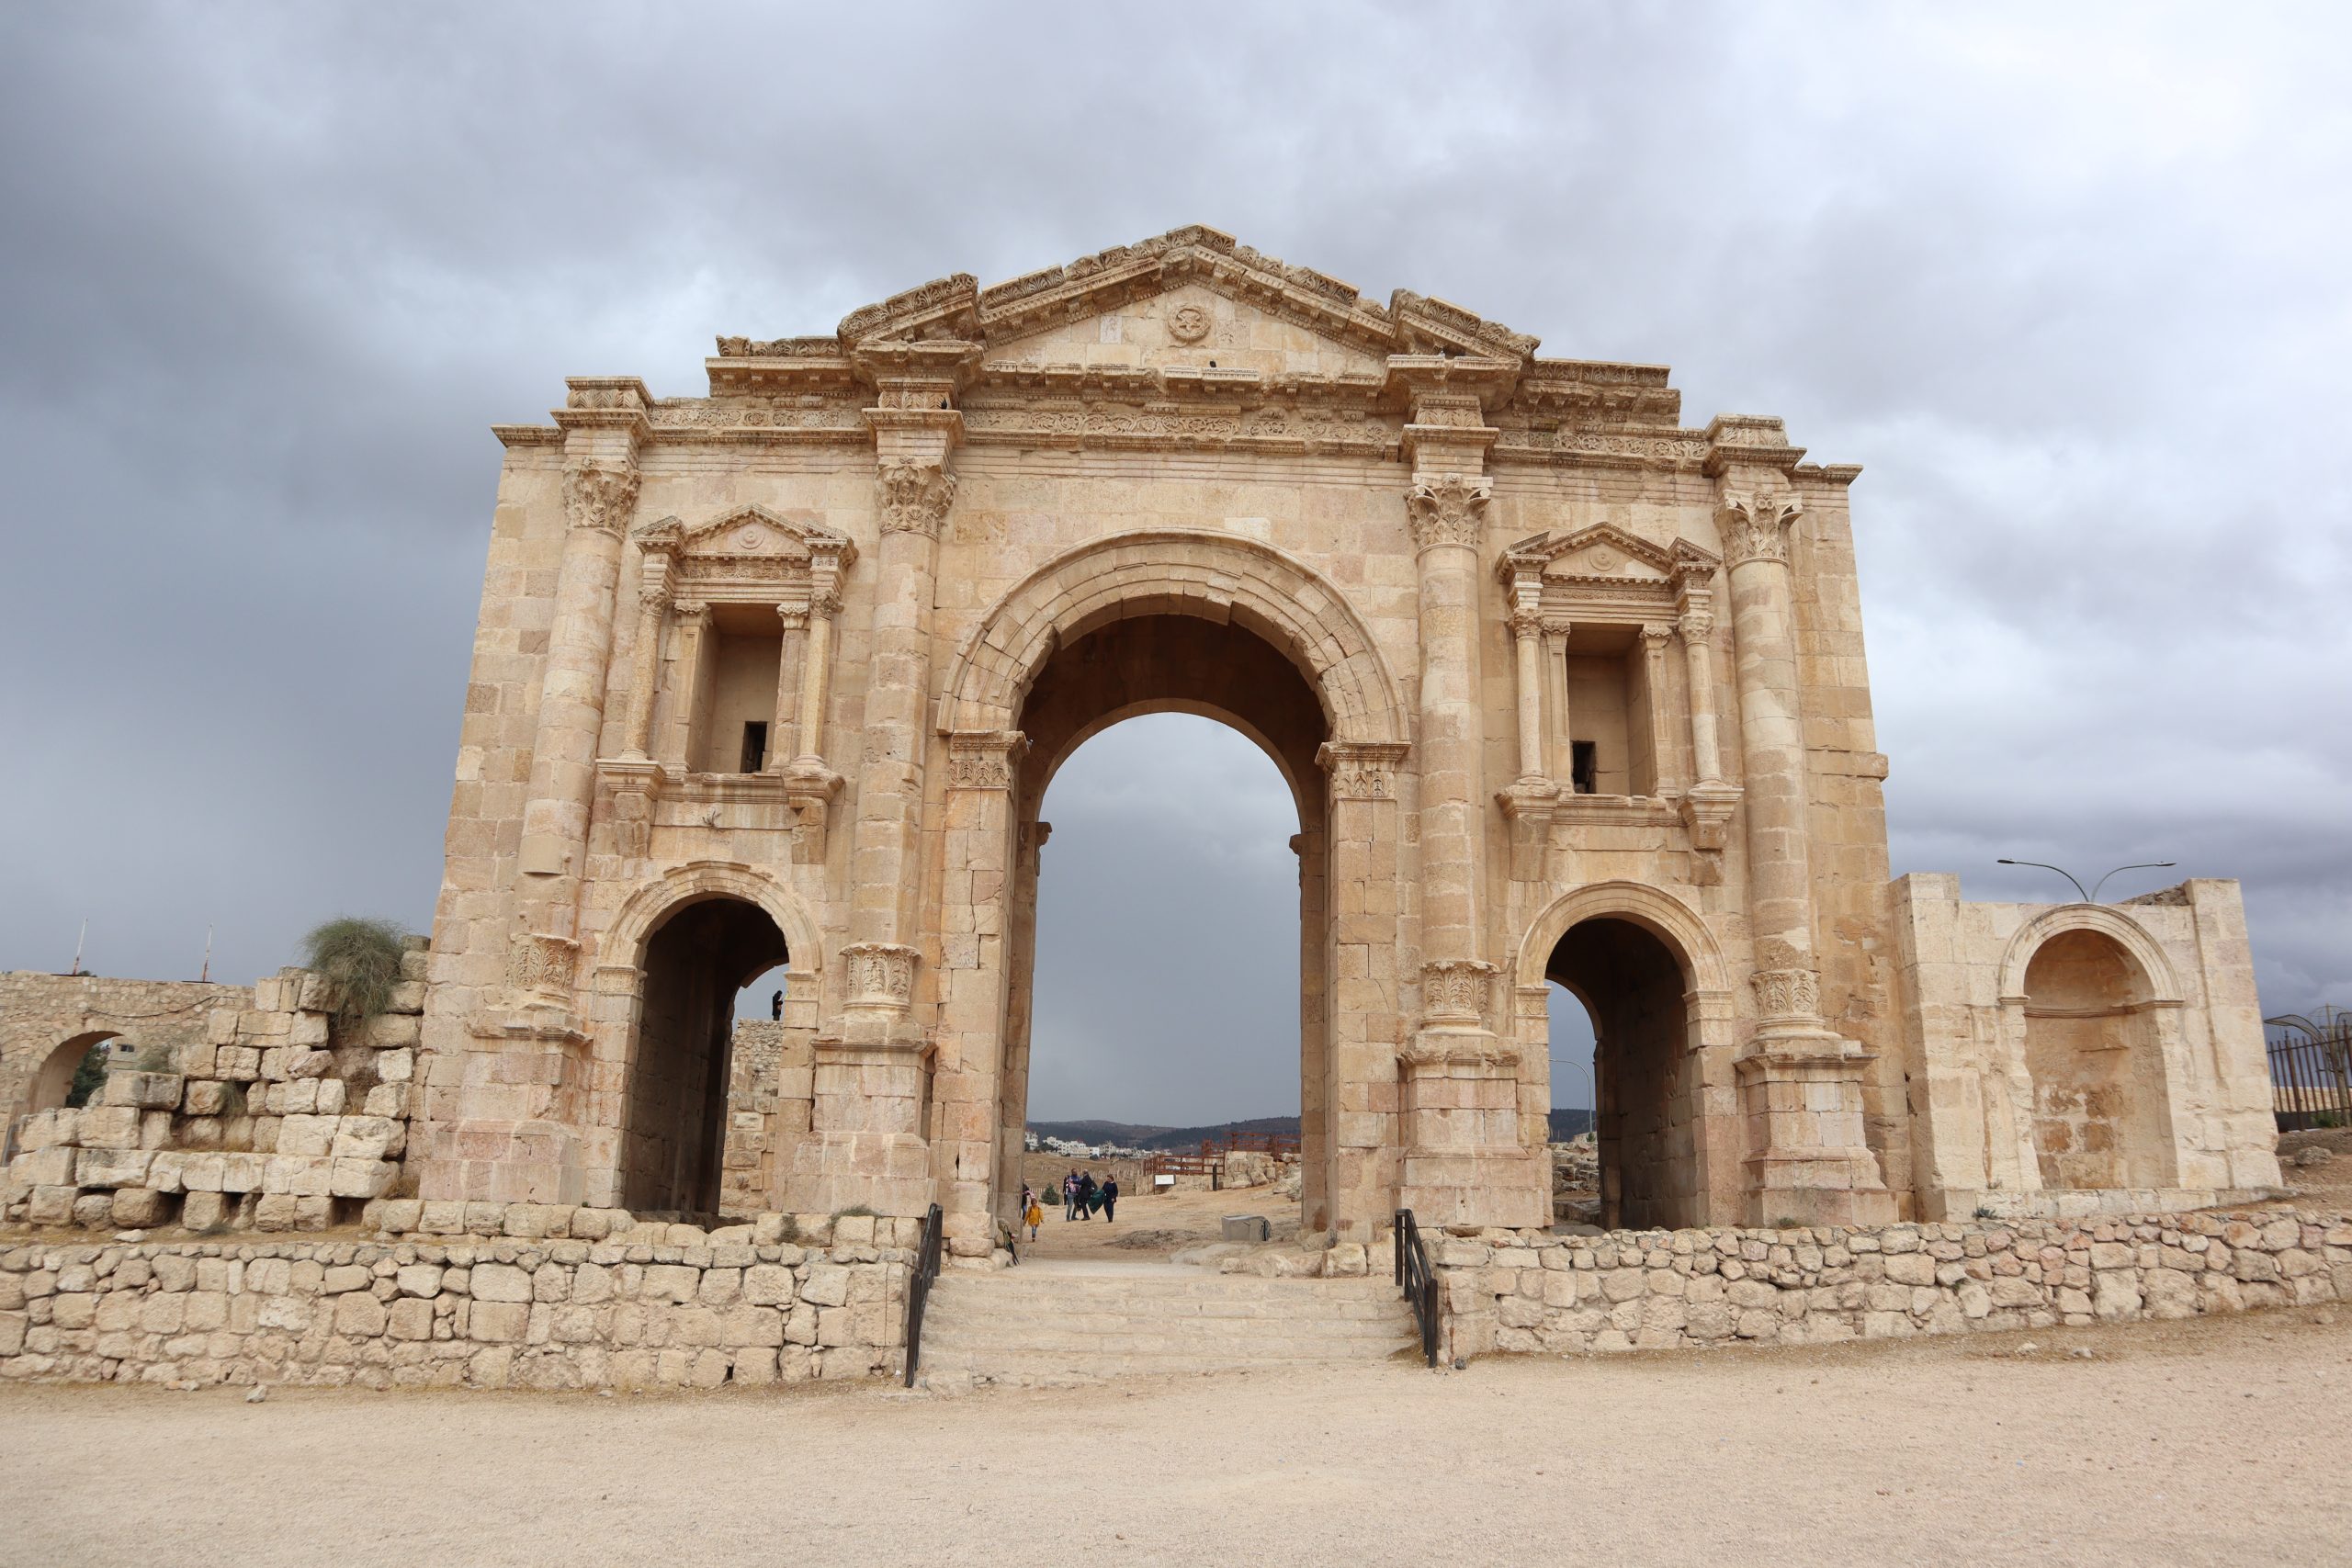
(1418, 1280)
(919, 1289)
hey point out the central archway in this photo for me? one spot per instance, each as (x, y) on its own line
(1184, 620)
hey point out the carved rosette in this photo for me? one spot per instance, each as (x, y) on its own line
(1449, 510)
(881, 974)
(915, 496)
(983, 758)
(1454, 990)
(598, 497)
(543, 964)
(1362, 769)
(1755, 524)
(1785, 994)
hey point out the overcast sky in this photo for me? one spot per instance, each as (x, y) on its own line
(2073, 291)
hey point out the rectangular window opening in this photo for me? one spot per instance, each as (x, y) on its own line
(755, 746)
(1584, 766)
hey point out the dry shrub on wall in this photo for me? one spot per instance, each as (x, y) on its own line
(360, 960)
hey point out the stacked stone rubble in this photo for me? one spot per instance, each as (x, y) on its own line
(279, 1119)
(506, 1296)
(1537, 1291)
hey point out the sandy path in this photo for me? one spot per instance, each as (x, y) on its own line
(1165, 1220)
(2195, 1443)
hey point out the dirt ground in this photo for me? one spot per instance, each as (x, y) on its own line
(1156, 1223)
(2217, 1442)
(2328, 1185)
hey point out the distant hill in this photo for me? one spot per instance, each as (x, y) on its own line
(1566, 1124)
(1137, 1135)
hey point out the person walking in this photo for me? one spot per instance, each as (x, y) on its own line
(1070, 1194)
(1110, 1197)
(775, 1005)
(1032, 1214)
(1086, 1195)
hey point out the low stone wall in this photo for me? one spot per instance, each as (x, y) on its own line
(1532, 1291)
(648, 1304)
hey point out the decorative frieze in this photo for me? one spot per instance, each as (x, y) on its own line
(541, 963)
(983, 758)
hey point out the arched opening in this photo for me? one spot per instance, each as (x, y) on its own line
(697, 961)
(2099, 1101)
(1575, 1164)
(71, 1075)
(1646, 1108)
(1179, 663)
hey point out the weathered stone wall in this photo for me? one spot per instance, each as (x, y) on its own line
(583, 1299)
(262, 1111)
(47, 1021)
(1536, 1292)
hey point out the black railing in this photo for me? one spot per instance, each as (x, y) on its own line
(1418, 1280)
(919, 1289)
(2311, 1069)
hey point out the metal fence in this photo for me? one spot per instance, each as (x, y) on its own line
(2311, 1069)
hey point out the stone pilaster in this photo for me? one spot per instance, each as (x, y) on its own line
(1666, 776)
(604, 424)
(810, 781)
(973, 983)
(1801, 1083)
(783, 731)
(1366, 987)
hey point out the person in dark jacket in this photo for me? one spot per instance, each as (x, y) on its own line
(775, 1005)
(1086, 1195)
(1110, 1199)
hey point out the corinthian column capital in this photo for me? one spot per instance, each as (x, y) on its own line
(1447, 509)
(599, 496)
(915, 495)
(1755, 524)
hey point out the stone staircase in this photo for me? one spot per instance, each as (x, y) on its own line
(1047, 1323)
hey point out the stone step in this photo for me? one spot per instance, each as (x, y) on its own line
(1087, 1323)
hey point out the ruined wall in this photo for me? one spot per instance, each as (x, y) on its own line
(1535, 1291)
(47, 1021)
(582, 1300)
(262, 1110)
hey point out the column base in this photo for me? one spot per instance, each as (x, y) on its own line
(1800, 1093)
(1464, 1165)
(866, 1147)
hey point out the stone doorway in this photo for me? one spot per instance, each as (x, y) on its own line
(2101, 1107)
(1173, 663)
(1648, 1105)
(675, 1120)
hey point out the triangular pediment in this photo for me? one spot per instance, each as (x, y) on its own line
(1601, 550)
(1033, 314)
(747, 531)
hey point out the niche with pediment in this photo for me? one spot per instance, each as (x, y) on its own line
(1606, 605)
(739, 592)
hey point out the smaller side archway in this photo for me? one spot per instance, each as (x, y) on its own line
(2090, 1025)
(1666, 1109)
(52, 1085)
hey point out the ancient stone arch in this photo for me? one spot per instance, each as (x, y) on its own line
(1217, 577)
(621, 950)
(2163, 986)
(1665, 916)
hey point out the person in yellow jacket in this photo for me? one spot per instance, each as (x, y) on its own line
(1033, 1217)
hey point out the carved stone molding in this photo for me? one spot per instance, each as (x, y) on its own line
(915, 496)
(1696, 623)
(599, 497)
(1454, 990)
(543, 964)
(1755, 524)
(1785, 994)
(1448, 510)
(983, 758)
(691, 612)
(1362, 769)
(881, 974)
(1655, 633)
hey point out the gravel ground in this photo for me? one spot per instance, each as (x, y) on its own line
(2220, 1442)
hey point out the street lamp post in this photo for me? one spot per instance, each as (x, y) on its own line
(2091, 896)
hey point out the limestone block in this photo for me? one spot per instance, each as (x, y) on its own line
(240, 1063)
(362, 1178)
(204, 1098)
(51, 1205)
(112, 1168)
(145, 1091)
(393, 1031)
(204, 1211)
(307, 1136)
(396, 1067)
(140, 1207)
(109, 1127)
(386, 1100)
(49, 1129)
(369, 1138)
(499, 1282)
(309, 1063)
(44, 1168)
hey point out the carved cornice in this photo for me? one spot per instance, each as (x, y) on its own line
(1755, 524)
(1442, 1049)
(1448, 510)
(1362, 769)
(983, 758)
(599, 496)
(915, 495)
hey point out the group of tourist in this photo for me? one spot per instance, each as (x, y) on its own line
(1082, 1197)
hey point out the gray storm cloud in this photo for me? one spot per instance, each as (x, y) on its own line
(2069, 287)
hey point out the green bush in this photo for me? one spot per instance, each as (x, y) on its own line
(89, 1075)
(360, 962)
